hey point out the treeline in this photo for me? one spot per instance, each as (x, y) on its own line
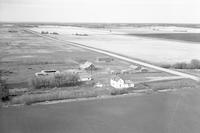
(193, 64)
(60, 80)
(4, 92)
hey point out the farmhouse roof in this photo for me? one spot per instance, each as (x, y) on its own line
(116, 78)
(124, 78)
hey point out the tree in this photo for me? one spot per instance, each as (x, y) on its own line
(195, 64)
(4, 92)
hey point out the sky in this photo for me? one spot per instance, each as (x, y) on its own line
(107, 11)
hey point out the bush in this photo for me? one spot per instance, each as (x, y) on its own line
(119, 91)
(181, 65)
(56, 95)
(173, 84)
(59, 80)
(166, 65)
(194, 64)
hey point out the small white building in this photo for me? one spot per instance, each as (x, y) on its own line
(85, 77)
(135, 67)
(120, 83)
(138, 68)
(72, 71)
(98, 85)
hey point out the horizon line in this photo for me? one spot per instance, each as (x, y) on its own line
(51, 22)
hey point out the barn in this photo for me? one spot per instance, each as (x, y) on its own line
(87, 66)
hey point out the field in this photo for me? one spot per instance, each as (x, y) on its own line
(23, 54)
(159, 102)
(152, 50)
(169, 112)
(187, 37)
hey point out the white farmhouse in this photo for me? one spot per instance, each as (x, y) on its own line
(120, 83)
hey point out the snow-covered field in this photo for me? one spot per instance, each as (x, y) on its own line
(69, 30)
(151, 50)
(156, 29)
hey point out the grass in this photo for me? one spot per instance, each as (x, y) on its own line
(144, 113)
(32, 62)
(175, 84)
(60, 94)
(43, 59)
(18, 91)
(57, 95)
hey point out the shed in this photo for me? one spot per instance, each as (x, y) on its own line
(135, 67)
(85, 77)
(143, 69)
(104, 59)
(72, 71)
(87, 66)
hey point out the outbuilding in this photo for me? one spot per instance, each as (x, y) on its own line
(47, 73)
(104, 59)
(87, 66)
(85, 77)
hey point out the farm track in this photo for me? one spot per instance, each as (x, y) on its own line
(185, 75)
